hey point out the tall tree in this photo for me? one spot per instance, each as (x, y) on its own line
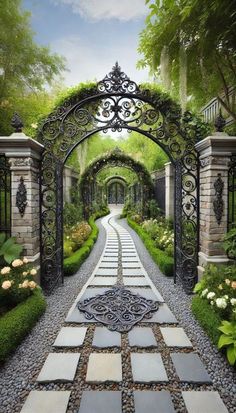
(25, 67)
(201, 41)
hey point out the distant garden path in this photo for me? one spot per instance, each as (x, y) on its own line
(120, 261)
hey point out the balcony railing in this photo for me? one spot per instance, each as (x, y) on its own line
(212, 109)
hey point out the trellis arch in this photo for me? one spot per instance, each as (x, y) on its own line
(118, 103)
(115, 158)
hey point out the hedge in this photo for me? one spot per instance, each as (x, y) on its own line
(18, 322)
(164, 261)
(73, 263)
(208, 319)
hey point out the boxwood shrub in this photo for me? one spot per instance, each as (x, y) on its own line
(73, 263)
(164, 261)
(17, 323)
(208, 319)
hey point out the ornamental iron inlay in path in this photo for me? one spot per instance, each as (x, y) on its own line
(119, 309)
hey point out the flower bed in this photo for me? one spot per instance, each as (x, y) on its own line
(21, 304)
(161, 258)
(73, 263)
(216, 300)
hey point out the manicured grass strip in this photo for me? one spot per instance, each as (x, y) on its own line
(164, 262)
(208, 319)
(18, 322)
(73, 263)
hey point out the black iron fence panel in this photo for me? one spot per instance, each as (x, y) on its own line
(159, 188)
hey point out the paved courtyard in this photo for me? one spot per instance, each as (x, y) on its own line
(136, 360)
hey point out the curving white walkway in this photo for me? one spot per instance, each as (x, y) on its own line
(135, 371)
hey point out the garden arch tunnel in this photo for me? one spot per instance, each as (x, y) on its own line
(117, 103)
(114, 158)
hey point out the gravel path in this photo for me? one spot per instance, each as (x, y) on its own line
(19, 372)
(223, 376)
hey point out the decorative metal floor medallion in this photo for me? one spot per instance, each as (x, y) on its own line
(119, 309)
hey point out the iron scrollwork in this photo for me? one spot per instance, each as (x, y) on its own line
(21, 197)
(218, 203)
(119, 309)
(117, 103)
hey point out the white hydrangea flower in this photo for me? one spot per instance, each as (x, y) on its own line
(221, 303)
(204, 292)
(210, 295)
(233, 301)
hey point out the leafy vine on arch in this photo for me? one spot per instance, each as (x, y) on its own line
(116, 103)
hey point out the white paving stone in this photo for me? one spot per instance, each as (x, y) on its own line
(135, 281)
(103, 281)
(59, 367)
(70, 337)
(104, 367)
(203, 402)
(148, 368)
(175, 337)
(46, 402)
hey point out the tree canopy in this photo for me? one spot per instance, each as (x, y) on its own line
(25, 67)
(190, 45)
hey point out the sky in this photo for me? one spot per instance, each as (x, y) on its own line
(91, 34)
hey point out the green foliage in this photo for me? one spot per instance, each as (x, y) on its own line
(9, 249)
(218, 288)
(72, 214)
(164, 262)
(25, 66)
(158, 230)
(154, 210)
(176, 26)
(18, 322)
(73, 263)
(208, 319)
(228, 340)
(230, 243)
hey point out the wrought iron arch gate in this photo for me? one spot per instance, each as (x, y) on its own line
(115, 103)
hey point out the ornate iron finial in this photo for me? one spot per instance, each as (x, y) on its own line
(117, 81)
(17, 123)
(220, 122)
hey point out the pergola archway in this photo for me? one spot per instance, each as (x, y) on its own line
(114, 158)
(118, 103)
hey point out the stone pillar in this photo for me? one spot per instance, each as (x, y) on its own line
(24, 156)
(169, 190)
(215, 152)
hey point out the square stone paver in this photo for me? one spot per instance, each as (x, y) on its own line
(101, 402)
(141, 337)
(190, 368)
(175, 337)
(136, 281)
(103, 281)
(133, 272)
(129, 254)
(70, 337)
(130, 259)
(46, 402)
(162, 316)
(109, 259)
(131, 264)
(92, 292)
(104, 367)
(203, 402)
(59, 367)
(105, 338)
(106, 272)
(111, 254)
(148, 368)
(153, 402)
(108, 264)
